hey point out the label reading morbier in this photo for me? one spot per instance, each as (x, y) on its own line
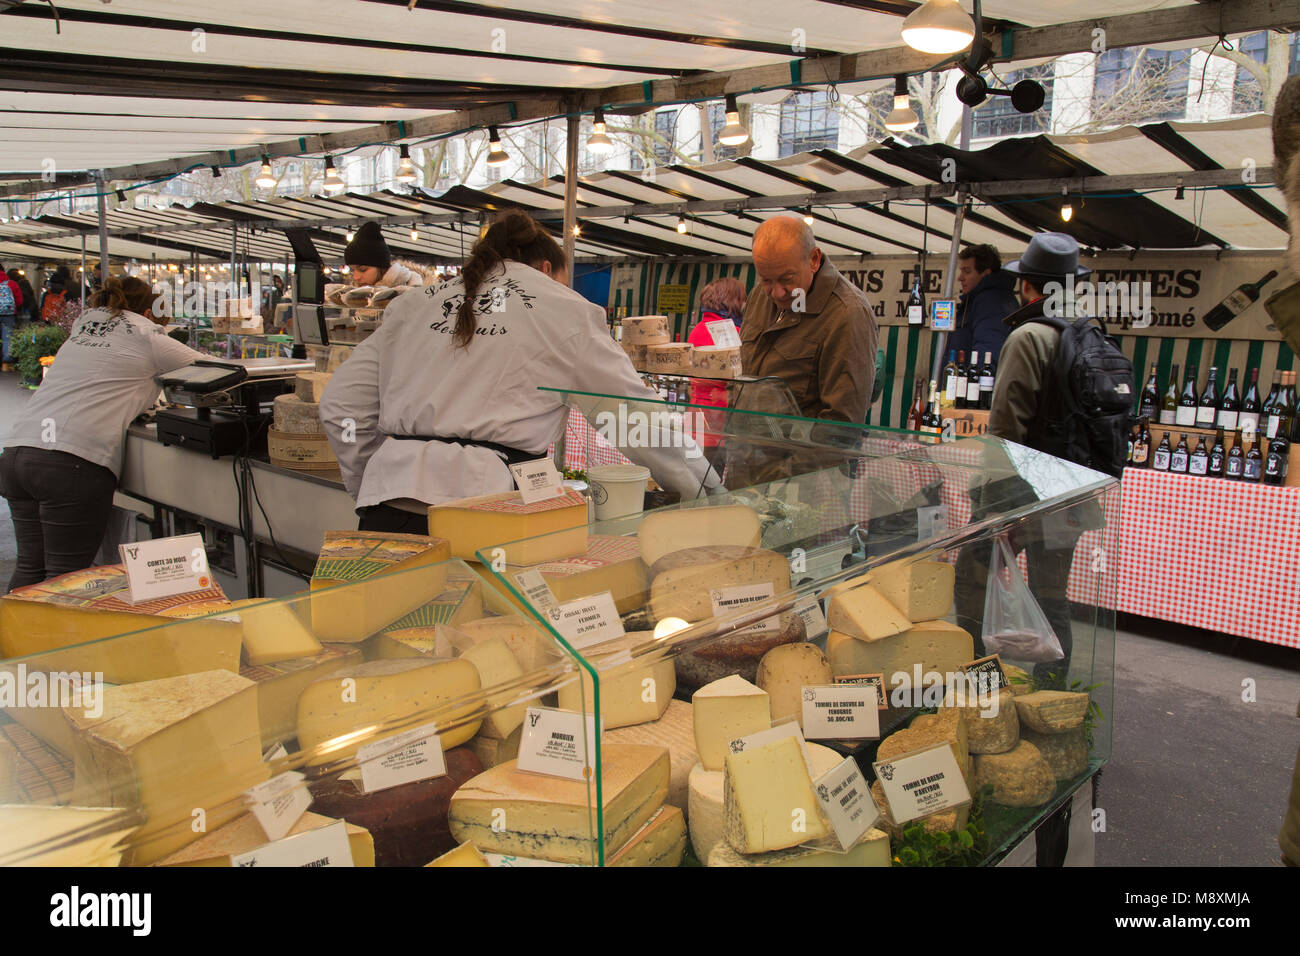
(922, 783)
(279, 803)
(840, 712)
(537, 480)
(846, 802)
(727, 601)
(165, 566)
(553, 743)
(326, 846)
(404, 758)
(587, 621)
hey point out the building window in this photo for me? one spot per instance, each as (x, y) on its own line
(808, 121)
(996, 117)
(1140, 85)
(665, 136)
(1246, 94)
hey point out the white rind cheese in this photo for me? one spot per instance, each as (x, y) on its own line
(871, 850)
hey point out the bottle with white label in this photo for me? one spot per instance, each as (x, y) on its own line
(950, 381)
(1160, 460)
(1188, 402)
(1208, 407)
(986, 382)
(962, 379)
(973, 381)
(916, 300)
(1178, 460)
(1199, 461)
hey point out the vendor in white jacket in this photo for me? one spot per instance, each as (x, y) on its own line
(434, 404)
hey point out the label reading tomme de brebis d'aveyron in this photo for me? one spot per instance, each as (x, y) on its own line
(922, 783)
(553, 743)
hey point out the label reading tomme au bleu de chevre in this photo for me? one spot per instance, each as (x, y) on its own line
(840, 712)
(922, 783)
(404, 758)
(727, 601)
(553, 743)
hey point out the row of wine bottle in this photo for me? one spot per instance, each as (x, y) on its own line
(1276, 415)
(967, 385)
(1237, 463)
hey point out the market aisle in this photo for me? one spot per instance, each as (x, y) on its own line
(12, 399)
(1198, 777)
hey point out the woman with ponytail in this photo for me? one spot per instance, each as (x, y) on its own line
(63, 457)
(445, 394)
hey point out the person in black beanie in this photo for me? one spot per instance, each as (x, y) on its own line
(373, 266)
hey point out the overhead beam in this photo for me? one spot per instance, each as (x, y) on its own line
(1173, 24)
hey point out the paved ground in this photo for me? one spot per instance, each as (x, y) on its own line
(1198, 777)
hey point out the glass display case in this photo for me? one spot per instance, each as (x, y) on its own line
(842, 554)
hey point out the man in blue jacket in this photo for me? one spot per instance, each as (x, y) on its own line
(987, 297)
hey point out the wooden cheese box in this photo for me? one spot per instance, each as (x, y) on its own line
(967, 422)
(309, 452)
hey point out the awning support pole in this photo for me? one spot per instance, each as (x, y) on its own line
(570, 191)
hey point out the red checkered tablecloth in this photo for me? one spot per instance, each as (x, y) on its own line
(1207, 552)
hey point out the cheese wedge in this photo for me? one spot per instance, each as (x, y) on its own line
(168, 748)
(466, 854)
(245, 833)
(786, 670)
(935, 646)
(497, 667)
(310, 386)
(64, 836)
(364, 581)
(871, 850)
(550, 818)
(663, 532)
(630, 693)
(863, 612)
(357, 701)
(610, 563)
(279, 686)
(41, 774)
(921, 590)
(479, 524)
(492, 751)
(660, 843)
(273, 632)
(682, 583)
(673, 730)
(724, 711)
(533, 649)
(768, 799)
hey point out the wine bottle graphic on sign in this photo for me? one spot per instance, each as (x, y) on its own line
(1236, 302)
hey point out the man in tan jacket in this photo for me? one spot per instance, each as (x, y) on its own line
(808, 325)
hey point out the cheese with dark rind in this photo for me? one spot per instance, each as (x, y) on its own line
(681, 583)
(552, 818)
(661, 842)
(1019, 778)
(736, 654)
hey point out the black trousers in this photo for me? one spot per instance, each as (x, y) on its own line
(392, 520)
(60, 506)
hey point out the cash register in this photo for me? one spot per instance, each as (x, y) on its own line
(224, 407)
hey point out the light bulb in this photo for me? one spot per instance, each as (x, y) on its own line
(333, 181)
(938, 26)
(1067, 211)
(415, 234)
(903, 117)
(681, 225)
(351, 235)
(264, 177)
(577, 229)
(405, 168)
(598, 142)
(732, 134)
(807, 215)
(496, 155)
(669, 626)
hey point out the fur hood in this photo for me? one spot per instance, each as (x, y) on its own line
(403, 273)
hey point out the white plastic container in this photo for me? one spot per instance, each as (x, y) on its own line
(617, 490)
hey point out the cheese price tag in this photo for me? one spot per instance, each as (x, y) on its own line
(846, 802)
(809, 610)
(535, 588)
(552, 743)
(988, 675)
(729, 600)
(921, 783)
(724, 333)
(165, 566)
(587, 621)
(840, 712)
(867, 680)
(762, 738)
(537, 480)
(404, 758)
(279, 803)
(326, 846)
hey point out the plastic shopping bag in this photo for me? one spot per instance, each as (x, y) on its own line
(1015, 627)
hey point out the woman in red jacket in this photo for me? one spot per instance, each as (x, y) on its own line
(722, 300)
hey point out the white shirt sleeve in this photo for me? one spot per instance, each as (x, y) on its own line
(349, 411)
(169, 354)
(600, 365)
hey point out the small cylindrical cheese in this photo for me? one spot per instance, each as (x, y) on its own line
(645, 329)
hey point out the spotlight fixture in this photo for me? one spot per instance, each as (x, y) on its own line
(598, 142)
(681, 225)
(496, 155)
(903, 118)
(333, 181)
(351, 234)
(415, 234)
(264, 177)
(938, 26)
(405, 168)
(577, 229)
(1179, 193)
(733, 134)
(807, 215)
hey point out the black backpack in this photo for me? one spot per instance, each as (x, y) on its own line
(1086, 411)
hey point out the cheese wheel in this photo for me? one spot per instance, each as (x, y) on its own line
(293, 416)
(716, 361)
(636, 354)
(645, 329)
(673, 357)
(310, 386)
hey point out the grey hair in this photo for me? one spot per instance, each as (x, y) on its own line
(784, 231)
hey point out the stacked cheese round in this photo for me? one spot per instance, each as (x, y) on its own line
(297, 438)
(716, 361)
(646, 330)
(637, 355)
(672, 358)
(294, 416)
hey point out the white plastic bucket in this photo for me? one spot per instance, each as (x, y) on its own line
(617, 490)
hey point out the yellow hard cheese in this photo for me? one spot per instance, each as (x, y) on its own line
(610, 563)
(723, 711)
(660, 843)
(466, 854)
(245, 833)
(64, 836)
(871, 850)
(768, 799)
(936, 647)
(357, 700)
(497, 667)
(533, 649)
(279, 686)
(274, 632)
(478, 524)
(170, 747)
(551, 818)
(632, 691)
(863, 612)
(662, 532)
(922, 590)
(365, 581)
(682, 583)
(786, 670)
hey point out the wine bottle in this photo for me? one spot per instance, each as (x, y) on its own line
(1217, 454)
(1150, 396)
(916, 410)
(1266, 410)
(1199, 461)
(986, 382)
(1208, 406)
(1160, 460)
(931, 421)
(1141, 456)
(1275, 462)
(1235, 466)
(1169, 404)
(1188, 402)
(1178, 460)
(1254, 464)
(916, 300)
(1230, 404)
(961, 380)
(973, 381)
(1248, 419)
(1284, 409)
(950, 380)
(1236, 302)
